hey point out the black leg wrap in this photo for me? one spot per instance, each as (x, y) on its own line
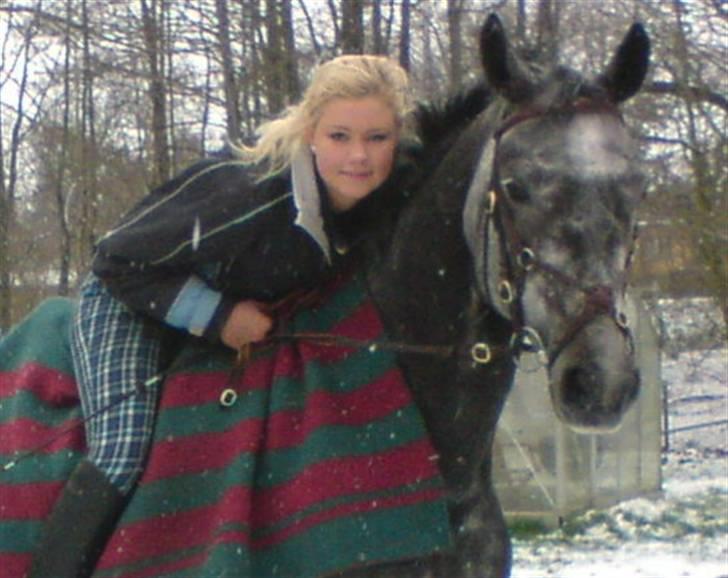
(79, 526)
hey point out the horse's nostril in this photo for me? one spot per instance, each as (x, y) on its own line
(582, 389)
(578, 387)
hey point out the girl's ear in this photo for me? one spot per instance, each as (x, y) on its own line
(308, 136)
(308, 140)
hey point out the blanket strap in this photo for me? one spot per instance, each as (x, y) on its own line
(229, 395)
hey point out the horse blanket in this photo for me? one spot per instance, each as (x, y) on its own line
(323, 464)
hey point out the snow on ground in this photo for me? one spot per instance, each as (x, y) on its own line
(683, 533)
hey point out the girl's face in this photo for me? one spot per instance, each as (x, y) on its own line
(353, 144)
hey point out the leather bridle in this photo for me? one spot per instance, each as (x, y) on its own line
(517, 259)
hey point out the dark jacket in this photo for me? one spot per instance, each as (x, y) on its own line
(212, 236)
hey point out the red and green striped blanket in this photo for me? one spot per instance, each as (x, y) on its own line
(323, 464)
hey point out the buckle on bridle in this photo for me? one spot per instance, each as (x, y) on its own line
(526, 259)
(505, 292)
(481, 353)
(492, 198)
(528, 340)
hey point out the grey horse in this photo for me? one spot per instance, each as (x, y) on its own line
(519, 239)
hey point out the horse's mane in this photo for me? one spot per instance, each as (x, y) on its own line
(437, 122)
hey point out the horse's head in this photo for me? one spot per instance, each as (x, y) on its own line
(553, 226)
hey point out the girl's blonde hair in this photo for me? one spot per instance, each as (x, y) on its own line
(348, 76)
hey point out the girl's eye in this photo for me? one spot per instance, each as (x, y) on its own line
(379, 137)
(338, 136)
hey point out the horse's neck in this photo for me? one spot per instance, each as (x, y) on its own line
(423, 281)
(423, 288)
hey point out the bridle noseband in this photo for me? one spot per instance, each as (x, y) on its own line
(518, 259)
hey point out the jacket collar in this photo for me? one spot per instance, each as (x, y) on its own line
(307, 199)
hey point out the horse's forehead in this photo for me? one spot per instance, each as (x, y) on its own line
(597, 146)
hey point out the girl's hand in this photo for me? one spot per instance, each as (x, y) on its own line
(247, 323)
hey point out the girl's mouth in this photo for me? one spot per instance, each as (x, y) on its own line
(357, 175)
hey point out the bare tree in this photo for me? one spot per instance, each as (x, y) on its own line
(521, 21)
(280, 60)
(293, 83)
(230, 82)
(547, 24)
(707, 219)
(86, 234)
(253, 53)
(153, 48)
(61, 168)
(352, 26)
(310, 25)
(9, 165)
(404, 38)
(455, 34)
(378, 46)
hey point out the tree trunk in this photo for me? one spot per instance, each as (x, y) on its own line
(377, 44)
(250, 80)
(86, 231)
(454, 26)
(521, 21)
(352, 27)
(153, 41)
(275, 59)
(230, 82)
(548, 29)
(404, 39)
(168, 53)
(61, 170)
(292, 81)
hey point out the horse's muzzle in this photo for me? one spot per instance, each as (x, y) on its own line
(594, 381)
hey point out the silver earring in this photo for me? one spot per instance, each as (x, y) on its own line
(313, 149)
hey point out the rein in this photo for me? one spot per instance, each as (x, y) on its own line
(334, 340)
(480, 353)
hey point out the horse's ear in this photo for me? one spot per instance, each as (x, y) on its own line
(628, 68)
(501, 68)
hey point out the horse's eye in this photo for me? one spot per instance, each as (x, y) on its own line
(516, 191)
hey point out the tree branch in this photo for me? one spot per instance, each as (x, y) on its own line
(693, 92)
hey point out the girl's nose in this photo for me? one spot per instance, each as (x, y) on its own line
(359, 150)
